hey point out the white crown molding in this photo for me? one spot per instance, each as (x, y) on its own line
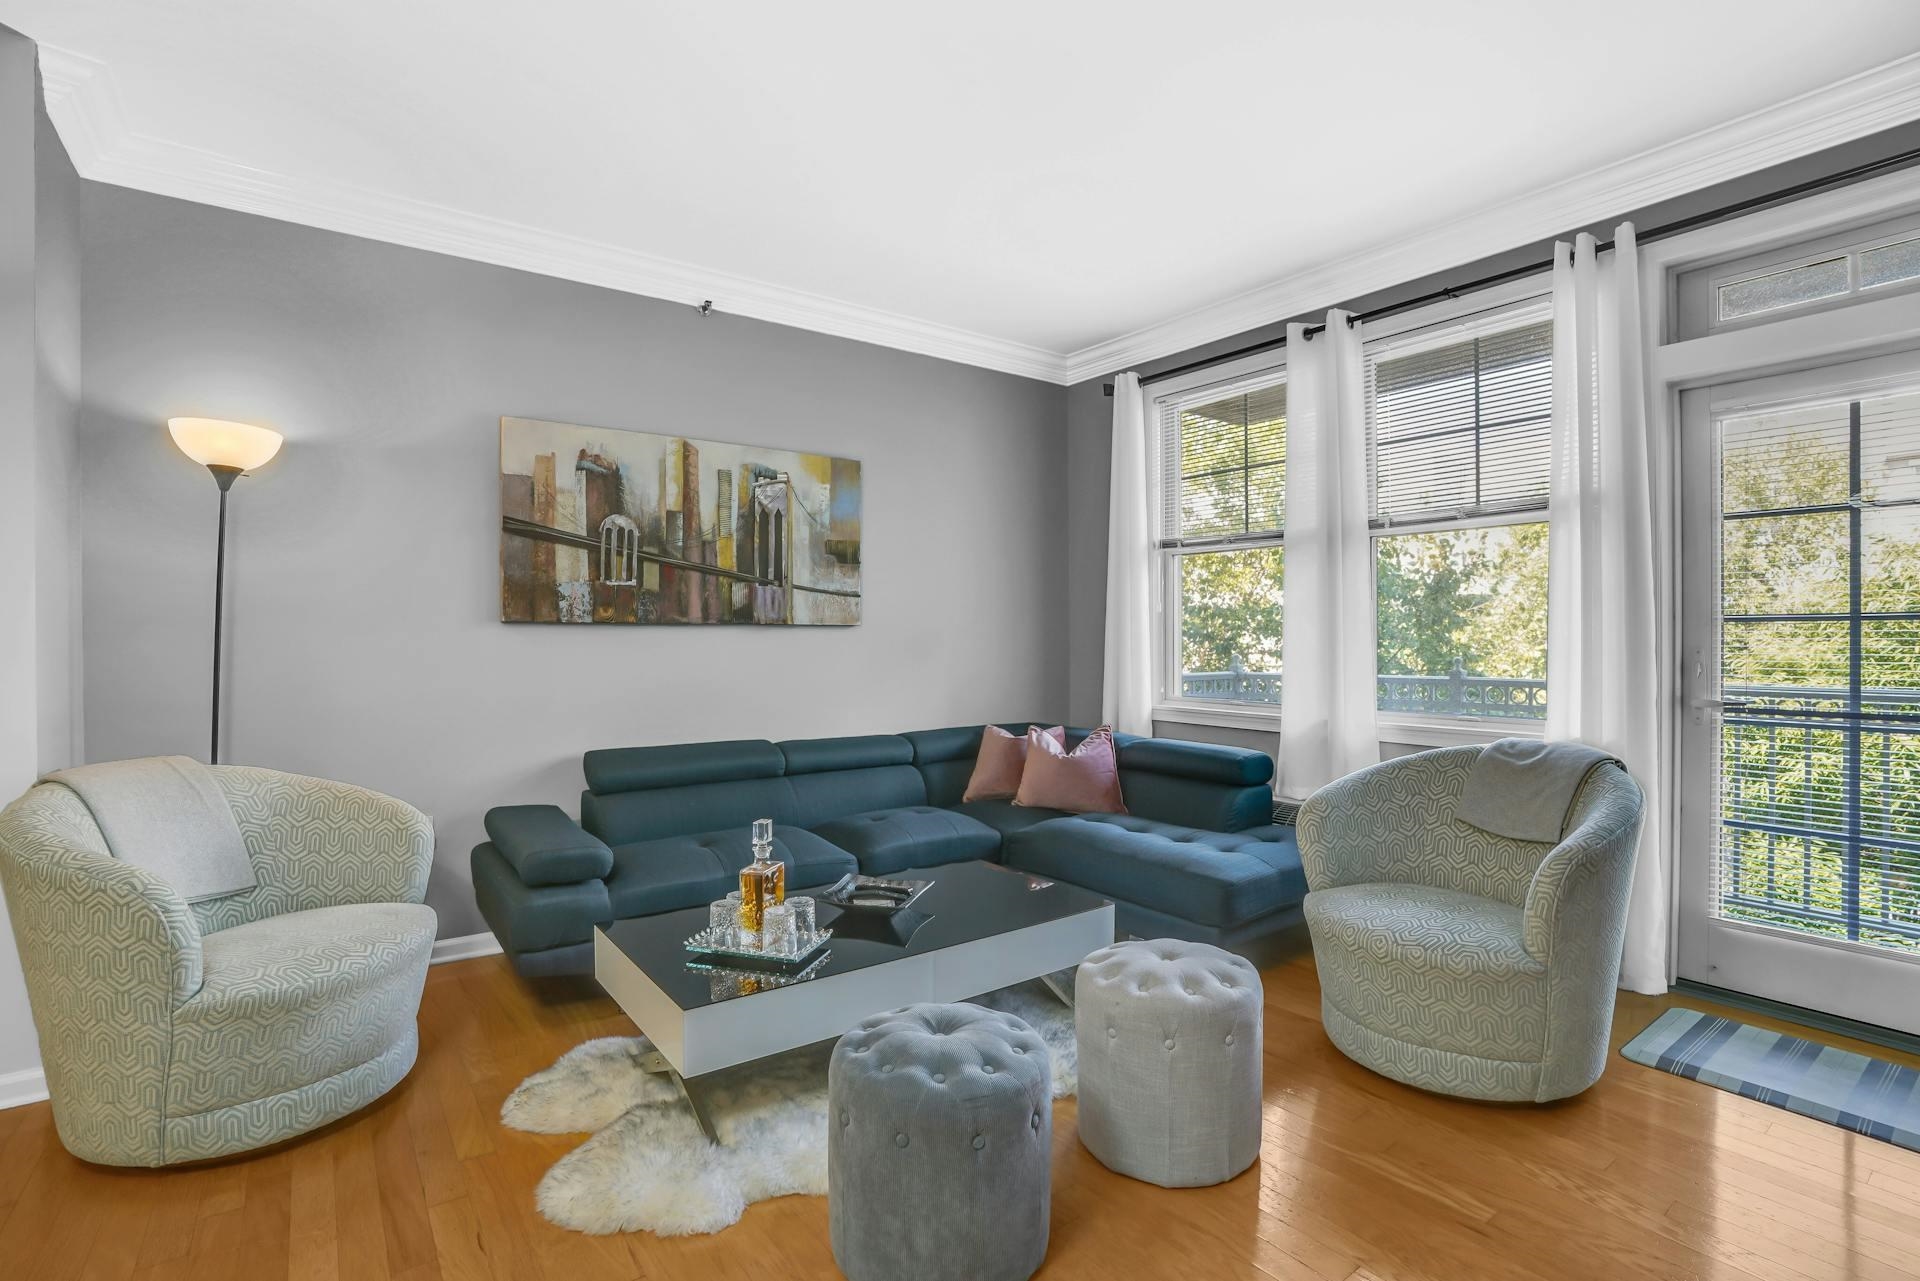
(1853, 108)
(84, 108)
(83, 105)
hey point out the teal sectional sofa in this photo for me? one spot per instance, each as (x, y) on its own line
(664, 828)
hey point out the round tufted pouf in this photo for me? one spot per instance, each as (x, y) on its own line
(1169, 1040)
(939, 1142)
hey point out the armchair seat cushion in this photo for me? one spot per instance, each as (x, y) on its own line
(1220, 879)
(1438, 969)
(676, 872)
(294, 999)
(891, 840)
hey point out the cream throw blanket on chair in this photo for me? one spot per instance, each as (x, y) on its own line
(166, 814)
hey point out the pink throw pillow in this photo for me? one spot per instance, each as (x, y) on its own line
(1002, 759)
(1084, 781)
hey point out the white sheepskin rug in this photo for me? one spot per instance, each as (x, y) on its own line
(649, 1168)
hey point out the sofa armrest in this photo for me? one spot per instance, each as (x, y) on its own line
(1200, 785)
(545, 847)
(533, 919)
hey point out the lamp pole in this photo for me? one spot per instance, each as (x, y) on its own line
(223, 477)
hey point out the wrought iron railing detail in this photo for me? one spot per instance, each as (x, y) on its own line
(1235, 685)
(1460, 693)
(1794, 852)
(1457, 693)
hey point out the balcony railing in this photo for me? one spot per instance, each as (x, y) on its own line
(1817, 800)
(1235, 685)
(1458, 693)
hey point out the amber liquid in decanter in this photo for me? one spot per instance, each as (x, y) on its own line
(763, 882)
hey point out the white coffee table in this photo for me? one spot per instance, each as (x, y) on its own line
(980, 927)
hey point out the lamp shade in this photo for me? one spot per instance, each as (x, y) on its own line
(213, 443)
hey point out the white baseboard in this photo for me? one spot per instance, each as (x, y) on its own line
(467, 945)
(16, 1088)
(30, 1086)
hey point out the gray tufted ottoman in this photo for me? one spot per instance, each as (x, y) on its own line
(1169, 1039)
(939, 1143)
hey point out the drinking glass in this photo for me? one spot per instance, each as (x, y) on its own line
(776, 930)
(803, 919)
(723, 917)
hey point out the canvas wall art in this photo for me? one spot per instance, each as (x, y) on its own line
(606, 526)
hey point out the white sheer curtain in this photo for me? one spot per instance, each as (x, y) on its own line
(1327, 663)
(1127, 684)
(1608, 590)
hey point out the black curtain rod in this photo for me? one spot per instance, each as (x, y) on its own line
(1843, 178)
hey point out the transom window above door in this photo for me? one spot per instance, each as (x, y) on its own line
(1839, 269)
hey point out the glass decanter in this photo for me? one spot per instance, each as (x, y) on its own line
(763, 882)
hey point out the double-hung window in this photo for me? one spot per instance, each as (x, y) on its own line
(1459, 425)
(1222, 464)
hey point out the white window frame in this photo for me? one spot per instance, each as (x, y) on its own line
(1680, 359)
(1697, 289)
(1524, 301)
(1261, 369)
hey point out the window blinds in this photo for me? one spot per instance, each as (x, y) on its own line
(1461, 428)
(1223, 466)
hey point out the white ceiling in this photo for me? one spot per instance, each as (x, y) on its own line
(1057, 188)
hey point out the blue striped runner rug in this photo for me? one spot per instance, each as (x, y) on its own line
(1868, 1096)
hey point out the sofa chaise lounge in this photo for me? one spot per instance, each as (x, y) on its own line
(665, 828)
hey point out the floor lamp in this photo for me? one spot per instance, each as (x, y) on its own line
(229, 451)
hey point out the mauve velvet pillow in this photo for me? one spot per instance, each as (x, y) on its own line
(1002, 759)
(1083, 781)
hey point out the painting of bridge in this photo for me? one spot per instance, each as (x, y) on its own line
(599, 525)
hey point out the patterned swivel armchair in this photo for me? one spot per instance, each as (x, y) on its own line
(1460, 961)
(176, 1032)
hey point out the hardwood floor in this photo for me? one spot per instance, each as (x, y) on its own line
(1360, 1179)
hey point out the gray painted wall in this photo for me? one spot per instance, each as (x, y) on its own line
(363, 561)
(56, 272)
(39, 402)
(19, 631)
(19, 428)
(1090, 411)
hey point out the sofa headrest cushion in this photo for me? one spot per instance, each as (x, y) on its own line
(960, 742)
(633, 769)
(1208, 762)
(820, 755)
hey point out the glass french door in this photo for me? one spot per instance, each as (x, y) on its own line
(1800, 594)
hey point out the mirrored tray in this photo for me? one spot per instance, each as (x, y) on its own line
(724, 982)
(723, 947)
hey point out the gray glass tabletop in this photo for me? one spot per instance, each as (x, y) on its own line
(966, 903)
